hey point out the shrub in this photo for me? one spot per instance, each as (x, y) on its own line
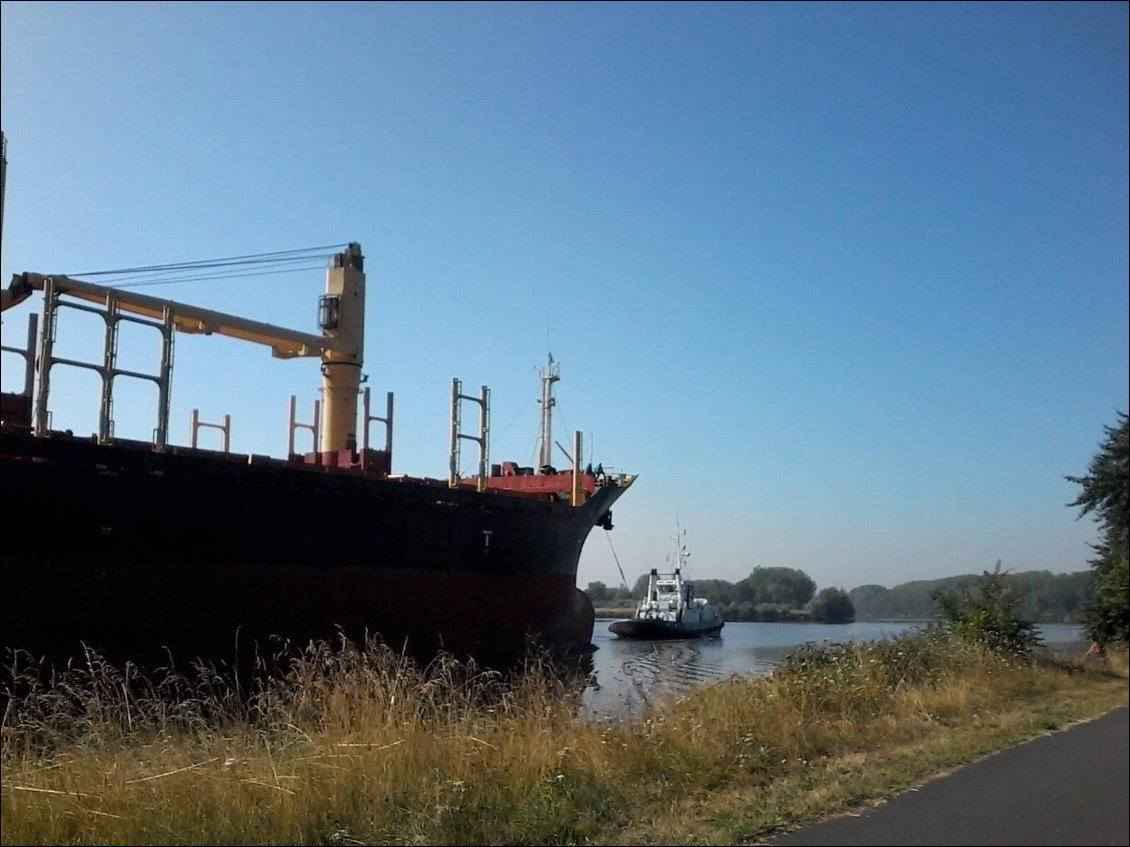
(988, 614)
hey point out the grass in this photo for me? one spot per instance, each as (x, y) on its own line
(357, 745)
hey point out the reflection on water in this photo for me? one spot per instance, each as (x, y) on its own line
(628, 676)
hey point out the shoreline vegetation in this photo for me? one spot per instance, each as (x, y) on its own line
(357, 745)
(789, 595)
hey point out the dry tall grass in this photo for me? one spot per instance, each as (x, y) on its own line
(360, 746)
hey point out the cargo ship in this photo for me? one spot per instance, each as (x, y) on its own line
(152, 552)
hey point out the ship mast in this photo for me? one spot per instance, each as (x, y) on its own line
(341, 316)
(3, 176)
(549, 375)
(682, 556)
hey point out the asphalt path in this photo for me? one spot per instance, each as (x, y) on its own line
(1070, 787)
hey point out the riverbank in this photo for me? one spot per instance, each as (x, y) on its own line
(629, 675)
(361, 747)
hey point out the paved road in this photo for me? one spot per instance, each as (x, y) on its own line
(1072, 787)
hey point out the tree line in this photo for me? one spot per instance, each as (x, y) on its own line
(1041, 596)
(781, 594)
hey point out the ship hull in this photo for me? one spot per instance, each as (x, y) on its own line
(149, 556)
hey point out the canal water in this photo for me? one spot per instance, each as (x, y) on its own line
(629, 675)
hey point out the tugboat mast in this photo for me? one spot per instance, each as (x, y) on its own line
(549, 375)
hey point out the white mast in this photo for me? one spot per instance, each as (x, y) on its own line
(682, 555)
(549, 375)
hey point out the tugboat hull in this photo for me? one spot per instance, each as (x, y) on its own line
(654, 630)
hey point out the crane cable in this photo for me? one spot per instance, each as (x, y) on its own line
(623, 579)
(307, 258)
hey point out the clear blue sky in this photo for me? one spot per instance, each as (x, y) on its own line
(845, 284)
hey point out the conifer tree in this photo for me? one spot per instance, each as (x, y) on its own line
(1105, 495)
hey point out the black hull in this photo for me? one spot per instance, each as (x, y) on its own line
(140, 554)
(657, 630)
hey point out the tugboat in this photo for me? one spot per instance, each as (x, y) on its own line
(670, 608)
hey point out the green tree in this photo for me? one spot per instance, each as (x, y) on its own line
(988, 614)
(597, 591)
(832, 605)
(1107, 614)
(640, 587)
(1105, 495)
(717, 591)
(869, 601)
(786, 587)
(745, 593)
